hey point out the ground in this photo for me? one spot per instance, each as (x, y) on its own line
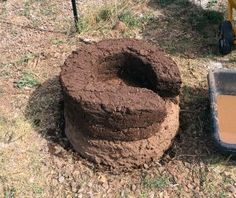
(36, 159)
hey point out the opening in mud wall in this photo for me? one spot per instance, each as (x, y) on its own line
(129, 68)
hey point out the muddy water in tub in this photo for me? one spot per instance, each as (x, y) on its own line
(226, 107)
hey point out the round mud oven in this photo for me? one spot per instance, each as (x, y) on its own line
(121, 101)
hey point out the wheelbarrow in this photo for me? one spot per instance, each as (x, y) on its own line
(222, 91)
(227, 31)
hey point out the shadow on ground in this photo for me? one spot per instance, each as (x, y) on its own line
(193, 142)
(45, 112)
(183, 28)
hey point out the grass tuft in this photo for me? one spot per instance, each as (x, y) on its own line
(27, 80)
(102, 19)
(104, 14)
(130, 19)
(157, 182)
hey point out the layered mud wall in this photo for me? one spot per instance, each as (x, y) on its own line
(121, 101)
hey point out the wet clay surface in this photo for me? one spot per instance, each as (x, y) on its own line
(117, 94)
(226, 108)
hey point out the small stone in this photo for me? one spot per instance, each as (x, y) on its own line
(197, 194)
(143, 52)
(145, 166)
(31, 180)
(151, 195)
(161, 195)
(54, 182)
(231, 189)
(133, 187)
(189, 186)
(58, 150)
(102, 179)
(119, 26)
(87, 40)
(74, 187)
(227, 174)
(61, 179)
(122, 194)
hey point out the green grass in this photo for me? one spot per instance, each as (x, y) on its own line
(56, 41)
(2, 120)
(103, 18)
(50, 11)
(105, 14)
(25, 59)
(37, 189)
(26, 11)
(160, 182)
(27, 80)
(143, 195)
(82, 25)
(22, 60)
(10, 193)
(130, 19)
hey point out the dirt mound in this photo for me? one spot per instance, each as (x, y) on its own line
(117, 92)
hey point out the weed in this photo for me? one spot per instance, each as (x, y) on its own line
(3, 120)
(82, 25)
(49, 11)
(143, 195)
(27, 80)
(36, 22)
(3, 10)
(26, 11)
(10, 193)
(157, 182)
(212, 188)
(57, 41)
(104, 14)
(4, 74)
(8, 137)
(24, 59)
(102, 19)
(129, 19)
(232, 59)
(147, 17)
(37, 189)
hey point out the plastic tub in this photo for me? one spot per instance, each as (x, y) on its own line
(221, 82)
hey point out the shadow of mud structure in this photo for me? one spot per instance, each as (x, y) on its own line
(45, 111)
(183, 28)
(193, 141)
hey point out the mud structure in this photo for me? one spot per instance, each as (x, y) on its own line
(121, 101)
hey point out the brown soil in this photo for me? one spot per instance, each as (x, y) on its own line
(111, 94)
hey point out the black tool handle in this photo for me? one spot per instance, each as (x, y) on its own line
(76, 18)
